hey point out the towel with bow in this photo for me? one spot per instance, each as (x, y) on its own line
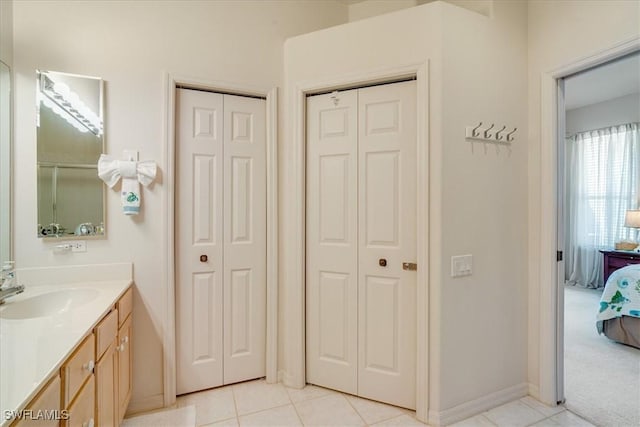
(132, 173)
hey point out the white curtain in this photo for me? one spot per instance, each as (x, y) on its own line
(603, 180)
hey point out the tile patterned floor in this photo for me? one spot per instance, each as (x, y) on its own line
(256, 403)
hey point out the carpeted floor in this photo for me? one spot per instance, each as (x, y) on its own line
(602, 377)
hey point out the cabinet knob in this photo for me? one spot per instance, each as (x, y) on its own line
(203, 258)
(89, 366)
(382, 262)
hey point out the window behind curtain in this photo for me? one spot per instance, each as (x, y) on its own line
(603, 181)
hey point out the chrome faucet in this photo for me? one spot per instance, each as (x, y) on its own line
(8, 282)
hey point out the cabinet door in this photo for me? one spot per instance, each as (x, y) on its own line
(124, 368)
(106, 382)
(47, 402)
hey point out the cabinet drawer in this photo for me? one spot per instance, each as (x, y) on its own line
(106, 332)
(48, 400)
(77, 368)
(619, 262)
(81, 413)
(124, 305)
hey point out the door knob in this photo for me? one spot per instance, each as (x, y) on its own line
(382, 262)
(203, 258)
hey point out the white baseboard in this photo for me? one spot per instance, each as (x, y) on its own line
(288, 380)
(145, 404)
(534, 391)
(477, 406)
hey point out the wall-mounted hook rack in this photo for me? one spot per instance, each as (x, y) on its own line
(477, 134)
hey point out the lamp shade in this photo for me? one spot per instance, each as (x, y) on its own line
(632, 219)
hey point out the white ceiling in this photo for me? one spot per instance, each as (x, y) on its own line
(608, 81)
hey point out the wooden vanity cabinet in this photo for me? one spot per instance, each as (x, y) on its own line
(78, 388)
(113, 370)
(93, 387)
(107, 370)
(47, 400)
(125, 355)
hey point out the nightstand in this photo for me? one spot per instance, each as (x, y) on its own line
(614, 260)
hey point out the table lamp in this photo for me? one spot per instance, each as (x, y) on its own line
(632, 220)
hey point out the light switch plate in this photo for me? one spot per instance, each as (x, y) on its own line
(461, 265)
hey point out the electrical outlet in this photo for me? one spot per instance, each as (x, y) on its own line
(78, 246)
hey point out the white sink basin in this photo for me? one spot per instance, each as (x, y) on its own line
(48, 304)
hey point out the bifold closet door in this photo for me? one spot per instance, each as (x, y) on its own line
(361, 226)
(332, 241)
(220, 239)
(245, 238)
(387, 231)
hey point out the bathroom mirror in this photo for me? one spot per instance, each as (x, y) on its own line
(70, 140)
(5, 163)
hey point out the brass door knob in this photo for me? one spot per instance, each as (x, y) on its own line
(203, 258)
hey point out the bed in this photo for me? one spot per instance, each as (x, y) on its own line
(619, 312)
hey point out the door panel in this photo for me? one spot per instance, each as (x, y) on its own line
(387, 230)
(199, 126)
(331, 275)
(245, 238)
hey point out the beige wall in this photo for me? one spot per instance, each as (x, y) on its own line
(561, 32)
(6, 32)
(483, 205)
(370, 8)
(131, 45)
(478, 199)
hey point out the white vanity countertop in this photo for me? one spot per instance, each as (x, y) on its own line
(32, 350)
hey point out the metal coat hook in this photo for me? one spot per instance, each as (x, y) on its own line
(475, 132)
(334, 97)
(498, 136)
(509, 137)
(486, 131)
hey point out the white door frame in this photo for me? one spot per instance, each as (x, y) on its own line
(295, 275)
(169, 333)
(550, 322)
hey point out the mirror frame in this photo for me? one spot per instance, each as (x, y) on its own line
(9, 166)
(101, 82)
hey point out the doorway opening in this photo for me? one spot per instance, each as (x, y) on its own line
(173, 82)
(598, 170)
(295, 345)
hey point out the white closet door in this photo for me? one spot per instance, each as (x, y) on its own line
(332, 257)
(361, 228)
(387, 235)
(199, 240)
(244, 238)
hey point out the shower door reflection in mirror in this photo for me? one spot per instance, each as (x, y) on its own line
(70, 141)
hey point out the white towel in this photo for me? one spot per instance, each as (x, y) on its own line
(132, 173)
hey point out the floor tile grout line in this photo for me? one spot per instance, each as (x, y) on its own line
(537, 410)
(344, 396)
(295, 408)
(235, 404)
